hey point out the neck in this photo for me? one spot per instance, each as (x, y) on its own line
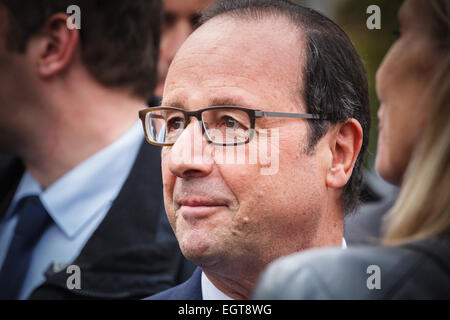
(72, 127)
(330, 227)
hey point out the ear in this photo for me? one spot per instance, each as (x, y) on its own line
(345, 146)
(57, 45)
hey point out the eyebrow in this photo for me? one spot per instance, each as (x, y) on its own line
(173, 103)
(227, 101)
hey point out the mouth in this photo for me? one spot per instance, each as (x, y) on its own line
(200, 208)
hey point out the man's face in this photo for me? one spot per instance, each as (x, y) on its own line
(16, 88)
(9, 82)
(180, 18)
(230, 214)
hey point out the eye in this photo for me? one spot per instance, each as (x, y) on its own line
(175, 124)
(231, 123)
(169, 20)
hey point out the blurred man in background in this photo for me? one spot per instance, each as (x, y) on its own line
(180, 20)
(81, 188)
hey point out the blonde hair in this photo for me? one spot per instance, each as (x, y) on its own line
(423, 207)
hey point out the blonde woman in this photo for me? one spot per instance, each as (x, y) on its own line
(413, 84)
(423, 208)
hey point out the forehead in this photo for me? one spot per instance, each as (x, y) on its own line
(185, 7)
(256, 60)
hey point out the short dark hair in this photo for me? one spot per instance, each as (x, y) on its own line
(119, 39)
(335, 80)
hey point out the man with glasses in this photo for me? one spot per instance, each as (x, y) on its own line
(269, 76)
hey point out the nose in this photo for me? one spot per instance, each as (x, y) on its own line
(378, 83)
(190, 156)
(380, 80)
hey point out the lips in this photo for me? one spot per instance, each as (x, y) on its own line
(194, 207)
(200, 202)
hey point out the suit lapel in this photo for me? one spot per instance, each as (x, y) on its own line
(138, 207)
(195, 286)
(191, 289)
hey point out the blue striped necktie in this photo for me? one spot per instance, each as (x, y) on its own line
(33, 220)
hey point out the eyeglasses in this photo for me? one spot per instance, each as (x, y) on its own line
(221, 125)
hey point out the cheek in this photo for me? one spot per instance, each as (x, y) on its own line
(384, 149)
(168, 182)
(396, 141)
(240, 180)
(294, 183)
(276, 209)
(166, 174)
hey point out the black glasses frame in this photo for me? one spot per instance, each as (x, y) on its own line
(252, 113)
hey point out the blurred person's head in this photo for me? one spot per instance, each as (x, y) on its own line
(180, 20)
(403, 83)
(277, 57)
(64, 92)
(423, 206)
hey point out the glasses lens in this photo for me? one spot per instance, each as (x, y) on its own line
(164, 126)
(227, 125)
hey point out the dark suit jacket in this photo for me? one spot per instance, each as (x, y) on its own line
(132, 254)
(189, 290)
(418, 270)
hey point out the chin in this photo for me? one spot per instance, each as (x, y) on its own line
(388, 172)
(197, 249)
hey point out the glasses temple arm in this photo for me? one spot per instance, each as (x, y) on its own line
(259, 114)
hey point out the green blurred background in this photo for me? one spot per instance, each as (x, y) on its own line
(372, 45)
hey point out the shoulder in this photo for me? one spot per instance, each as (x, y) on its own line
(189, 290)
(326, 273)
(365, 272)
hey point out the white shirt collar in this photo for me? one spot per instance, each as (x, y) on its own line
(74, 199)
(210, 291)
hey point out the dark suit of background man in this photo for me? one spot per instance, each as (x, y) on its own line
(81, 187)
